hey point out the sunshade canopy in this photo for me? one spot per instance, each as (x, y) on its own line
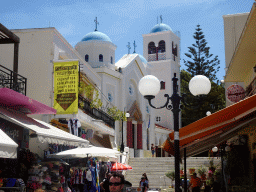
(8, 148)
(90, 151)
(44, 131)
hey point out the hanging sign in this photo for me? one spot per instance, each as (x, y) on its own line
(235, 93)
(66, 76)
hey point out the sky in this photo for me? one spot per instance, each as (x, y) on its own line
(126, 20)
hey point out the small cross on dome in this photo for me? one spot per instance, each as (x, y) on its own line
(96, 22)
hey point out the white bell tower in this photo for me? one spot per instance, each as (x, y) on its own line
(161, 48)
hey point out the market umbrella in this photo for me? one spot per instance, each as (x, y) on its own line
(91, 151)
(120, 166)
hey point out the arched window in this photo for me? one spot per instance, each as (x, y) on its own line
(174, 49)
(158, 119)
(111, 60)
(151, 48)
(100, 58)
(162, 85)
(161, 46)
(86, 58)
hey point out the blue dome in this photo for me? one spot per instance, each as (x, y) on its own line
(96, 35)
(142, 58)
(160, 27)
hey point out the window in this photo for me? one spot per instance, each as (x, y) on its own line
(151, 48)
(158, 119)
(147, 109)
(162, 85)
(100, 58)
(174, 49)
(161, 46)
(110, 98)
(131, 90)
(86, 58)
(111, 60)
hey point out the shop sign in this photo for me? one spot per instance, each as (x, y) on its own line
(235, 93)
(66, 77)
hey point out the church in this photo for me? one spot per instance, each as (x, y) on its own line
(115, 82)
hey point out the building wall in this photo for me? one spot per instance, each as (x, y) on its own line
(94, 48)
(233, 27)
(35, 62)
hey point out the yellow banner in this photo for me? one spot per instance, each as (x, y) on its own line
(66, 77)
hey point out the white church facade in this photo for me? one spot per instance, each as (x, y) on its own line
(117, 82)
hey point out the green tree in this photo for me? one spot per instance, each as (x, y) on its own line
(200, 62)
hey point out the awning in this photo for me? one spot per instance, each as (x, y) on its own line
(15, 100)
(8, 148)
(216, 128)
(44, 131)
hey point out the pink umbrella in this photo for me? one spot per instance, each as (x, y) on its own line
(120, 166)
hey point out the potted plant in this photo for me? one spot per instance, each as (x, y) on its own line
(201, 171)
(171, 175)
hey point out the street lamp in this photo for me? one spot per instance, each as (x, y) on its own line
(122, 144)
(149, 86)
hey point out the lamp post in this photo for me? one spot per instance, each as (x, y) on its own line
(122, 144)
(149, 86)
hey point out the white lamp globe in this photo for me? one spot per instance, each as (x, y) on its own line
(214, 149)
(208, 113)
(199, 85)
(149, 85)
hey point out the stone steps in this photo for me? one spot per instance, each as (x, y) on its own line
(155, 168)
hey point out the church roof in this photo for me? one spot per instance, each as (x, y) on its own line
(126, 59)
(142, 58)
(96, 35)
(160, 27)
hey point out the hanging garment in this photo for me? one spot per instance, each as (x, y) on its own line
(70, 126)
(89, 175)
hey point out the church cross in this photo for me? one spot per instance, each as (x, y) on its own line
(134, 47)
(129, 47)
(161, 18)
(96, 22)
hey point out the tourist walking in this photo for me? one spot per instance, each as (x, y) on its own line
(143, 184)
(195, 183)
(146, 181)
(153, 149)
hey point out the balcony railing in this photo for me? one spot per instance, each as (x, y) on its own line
(251, 89)
(153, 57)
(97, 113)
(12, 80)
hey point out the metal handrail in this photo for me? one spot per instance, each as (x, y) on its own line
(97, 113)
(12, 80)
